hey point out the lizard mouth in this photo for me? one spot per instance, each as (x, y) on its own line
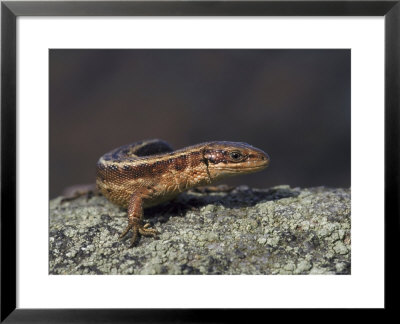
(245, 168)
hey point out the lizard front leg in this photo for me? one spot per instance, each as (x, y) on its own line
(135, 223)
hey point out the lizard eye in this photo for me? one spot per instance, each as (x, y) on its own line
(236, 156)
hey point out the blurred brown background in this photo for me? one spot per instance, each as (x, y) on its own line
(293, 104)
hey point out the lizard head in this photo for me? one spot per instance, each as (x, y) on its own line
(225, 159)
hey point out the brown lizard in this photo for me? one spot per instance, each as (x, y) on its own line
(147, 173)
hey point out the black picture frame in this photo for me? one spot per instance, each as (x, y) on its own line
(10, 10)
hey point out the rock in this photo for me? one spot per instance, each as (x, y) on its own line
(280, 230)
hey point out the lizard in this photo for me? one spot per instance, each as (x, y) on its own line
(147, 173)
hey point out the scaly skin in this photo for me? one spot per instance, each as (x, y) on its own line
(147, 173)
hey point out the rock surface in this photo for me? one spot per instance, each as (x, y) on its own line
(281, 230)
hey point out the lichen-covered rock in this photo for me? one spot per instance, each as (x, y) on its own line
(246, 231)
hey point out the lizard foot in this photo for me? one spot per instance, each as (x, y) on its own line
(138, 228)
(74, 192)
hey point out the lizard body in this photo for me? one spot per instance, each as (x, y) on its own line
(147, 173)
